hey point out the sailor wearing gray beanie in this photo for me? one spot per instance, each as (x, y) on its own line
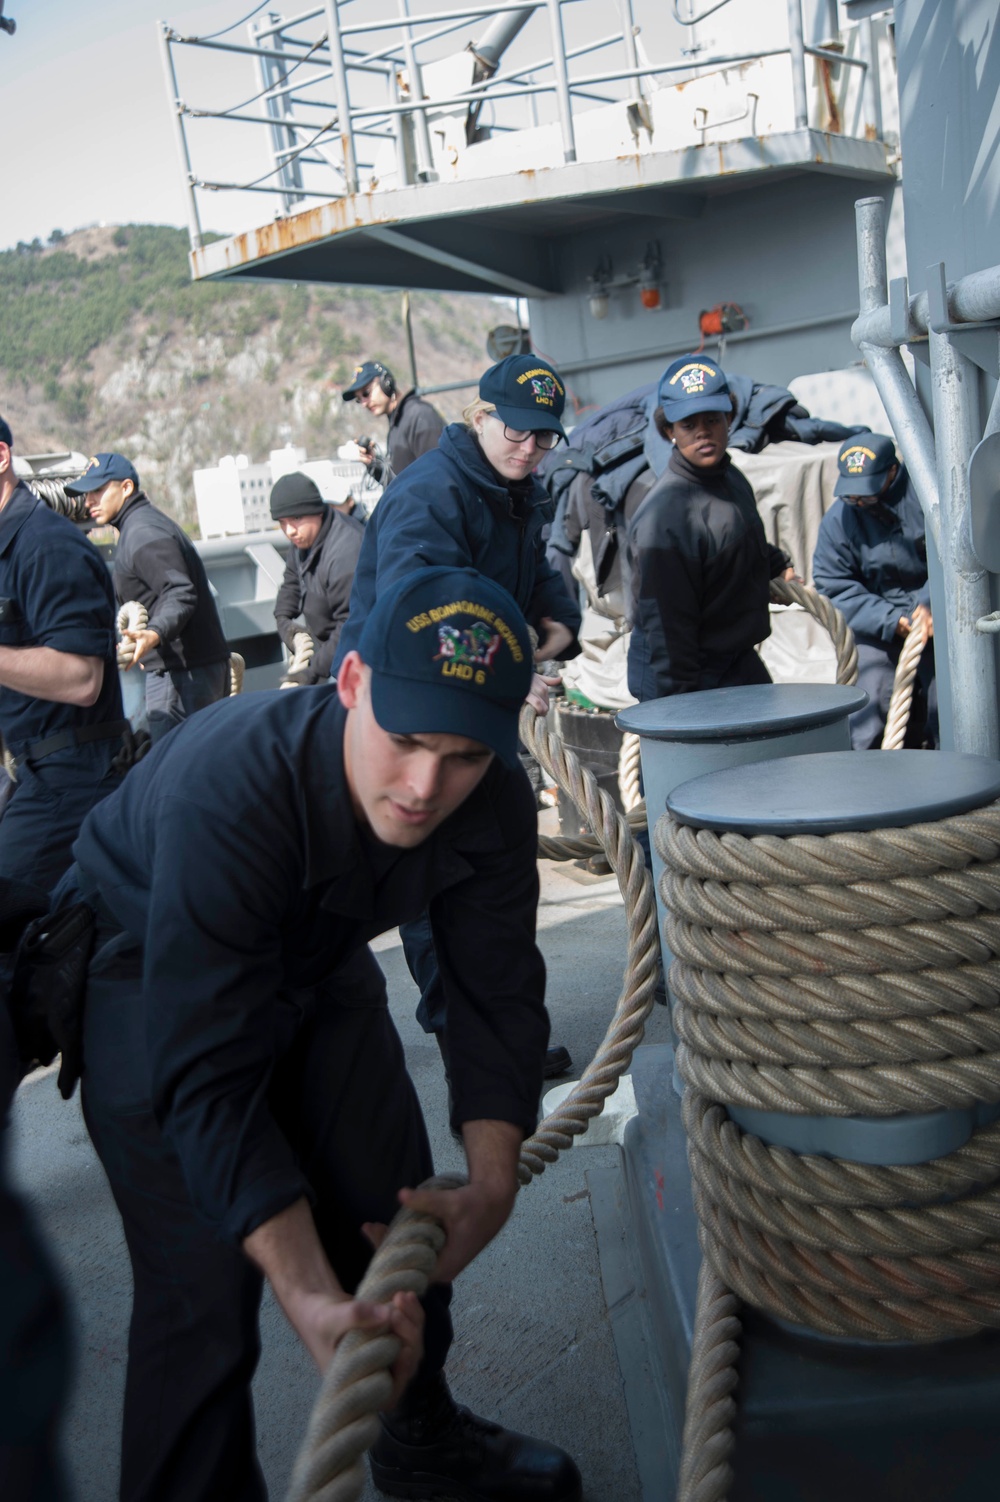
(296, 495)
(319, 573)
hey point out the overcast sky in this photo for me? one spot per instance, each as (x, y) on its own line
(87, 131)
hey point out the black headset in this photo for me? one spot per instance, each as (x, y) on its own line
(386, 380)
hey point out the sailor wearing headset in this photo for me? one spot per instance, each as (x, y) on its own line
(414, 425)
(242, 1079)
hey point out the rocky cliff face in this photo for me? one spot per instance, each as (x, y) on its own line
(108, 345)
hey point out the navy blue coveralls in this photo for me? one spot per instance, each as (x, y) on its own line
(451, 508)
(238, 1050)
(55, 591)
(34, 1335)
(871, 561)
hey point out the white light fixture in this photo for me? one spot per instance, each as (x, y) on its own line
(599, 282)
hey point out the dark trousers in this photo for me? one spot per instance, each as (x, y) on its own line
(49, 803)
(172, 696)
(34, 1339)
(876, 672)
(343, 1098)
(34, 1362)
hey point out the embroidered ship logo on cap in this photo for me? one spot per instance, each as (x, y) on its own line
(694, 378)
(476, 645)
(856, 459)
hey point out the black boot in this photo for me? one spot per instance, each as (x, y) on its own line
(557, 1061)
(429, 1447)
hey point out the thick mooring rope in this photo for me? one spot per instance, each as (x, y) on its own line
(898, 716)
(834, 975)
(357, 1385)
(791, 592)
(629, 769)
(237, 672)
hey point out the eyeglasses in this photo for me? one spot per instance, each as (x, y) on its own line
(545, 438)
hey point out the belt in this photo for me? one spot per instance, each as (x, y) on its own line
(81, 735)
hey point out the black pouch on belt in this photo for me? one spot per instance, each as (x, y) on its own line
(48, 989)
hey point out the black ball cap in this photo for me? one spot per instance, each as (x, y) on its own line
(449, 654)
(296, 495)
(6, 436)
(363, 376)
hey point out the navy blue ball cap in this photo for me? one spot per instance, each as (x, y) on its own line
(527, 392)
(101, 469)
(692, 385)
(363, 376)
(864, 462)
(6, 436)
(450, 654)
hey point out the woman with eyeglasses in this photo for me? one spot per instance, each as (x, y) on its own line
(473, 502)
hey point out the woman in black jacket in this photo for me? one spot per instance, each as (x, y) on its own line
(701, 563)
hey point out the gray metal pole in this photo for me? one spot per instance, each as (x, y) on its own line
(425, 157)
(796, 45)
(399, 131)
(562, 80)
(971, 654)
(872, 89)
(339, 69)
(283, 137)
(408, 327)
(180, 135)
(892, 380)
(498, 36)
(631, 51)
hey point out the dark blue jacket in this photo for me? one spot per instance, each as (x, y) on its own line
(450, 507)
(871, 561)
(232, 854)
(55, 591)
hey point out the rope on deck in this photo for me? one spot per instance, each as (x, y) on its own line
(344, 1423)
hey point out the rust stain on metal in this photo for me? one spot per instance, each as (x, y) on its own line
(870, 133)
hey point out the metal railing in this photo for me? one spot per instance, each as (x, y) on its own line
(954, 326)
(338, 102)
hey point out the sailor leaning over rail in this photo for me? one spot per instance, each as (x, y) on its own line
(871, 561)
(182, 648)
(242, 1080)
(474, 502)
(60, 702)
(314, 598)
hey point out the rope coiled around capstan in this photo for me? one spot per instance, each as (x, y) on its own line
(834, 975)
(344, 1423)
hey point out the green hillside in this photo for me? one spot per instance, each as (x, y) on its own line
(108, 344)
